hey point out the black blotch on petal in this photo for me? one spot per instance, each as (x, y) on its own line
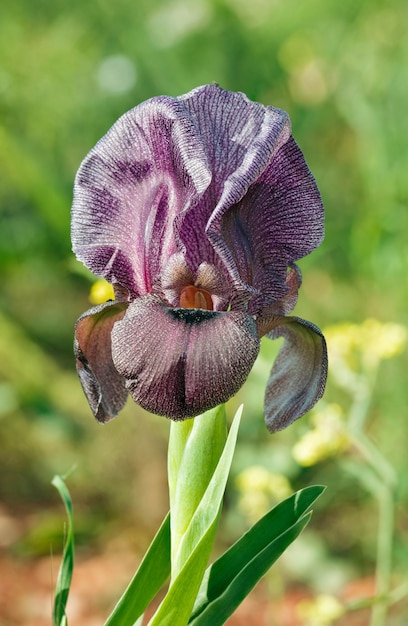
(192, 316)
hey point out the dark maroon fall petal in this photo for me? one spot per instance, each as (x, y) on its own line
(103, 386)
(182, 362)
(298, 376)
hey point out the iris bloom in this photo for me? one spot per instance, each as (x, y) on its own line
(195, 209)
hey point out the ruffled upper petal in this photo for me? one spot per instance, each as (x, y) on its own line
(299, 374)
(162, 179)
(181, 362)
(239, 138)
(104, 387)
(146, 170)
(279, 220)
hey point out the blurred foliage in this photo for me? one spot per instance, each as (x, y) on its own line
(68, 70)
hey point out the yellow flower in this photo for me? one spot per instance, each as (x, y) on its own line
(353, 345)
(101, 291)
(384, 340)
(259, 489)
(322, 611)
(328, 438)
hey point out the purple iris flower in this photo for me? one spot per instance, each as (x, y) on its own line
(195, 209)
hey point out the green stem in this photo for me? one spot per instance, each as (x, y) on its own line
(362, 394)
(179, 434)
(195, 447)
(384, 554)
(375, 459)
(382, 486)
(395, 596)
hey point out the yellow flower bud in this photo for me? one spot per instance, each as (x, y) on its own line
(101, 291)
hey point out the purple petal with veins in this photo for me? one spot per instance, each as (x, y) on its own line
(299, 374)
(196, 208)
(181, 362)
(128, 191)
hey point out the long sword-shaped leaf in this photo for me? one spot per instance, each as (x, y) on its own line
(210, 504)
(148, 580)
(221, 608)
(176, 606)
(59, 617)
(276, 525)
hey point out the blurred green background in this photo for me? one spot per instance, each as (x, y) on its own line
(68, 70)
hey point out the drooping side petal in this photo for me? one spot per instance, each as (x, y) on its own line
(181, 362)
(280, 220)
(104, 387)
(147, 169)
(299, 374)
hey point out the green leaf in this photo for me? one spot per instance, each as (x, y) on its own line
(176, 607)
(197, 542)
(148, 580)
(234, 574)
(217, 612)
(210, 504)
(59, 617)
(195, 448)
